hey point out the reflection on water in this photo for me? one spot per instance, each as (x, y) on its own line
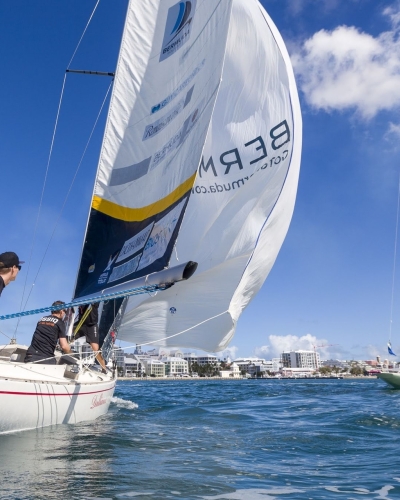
(234, 440)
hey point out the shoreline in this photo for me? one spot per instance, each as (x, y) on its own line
(190, 379)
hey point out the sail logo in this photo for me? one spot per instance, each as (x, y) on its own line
(135, 243)
(177, 28)
(126, 269)
(104, 275)
(162, 123)
(161, 235)
(178, 90)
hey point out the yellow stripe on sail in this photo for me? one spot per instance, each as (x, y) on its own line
(138, 214)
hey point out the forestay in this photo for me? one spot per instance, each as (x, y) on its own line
(166, 82)
(243, 198)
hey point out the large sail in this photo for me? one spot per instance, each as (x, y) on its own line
(243, 199)
(166, 82)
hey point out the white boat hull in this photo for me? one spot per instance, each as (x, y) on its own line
(392, 379)
(33, 396)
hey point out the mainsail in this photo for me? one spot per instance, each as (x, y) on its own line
(233, 216)
(166, 82)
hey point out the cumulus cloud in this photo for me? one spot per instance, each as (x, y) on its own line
(229, 352)
(296, 6)
(394, 129)
(278, 344)
(348, 69)
(262, 351)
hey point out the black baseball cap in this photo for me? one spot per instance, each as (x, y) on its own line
(9, 259)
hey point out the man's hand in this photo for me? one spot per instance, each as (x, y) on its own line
(65, 346)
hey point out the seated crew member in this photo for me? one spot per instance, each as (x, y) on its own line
(10, 265)
(49, 330)
(89, 329)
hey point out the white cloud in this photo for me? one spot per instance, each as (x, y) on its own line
(347, 69)
(229, 352)
(278, 344)
(394, 14)
(394, 129)
(262, 351)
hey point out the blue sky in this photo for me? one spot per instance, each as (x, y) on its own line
(332, 281)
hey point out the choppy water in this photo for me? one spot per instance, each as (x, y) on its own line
(205, 439)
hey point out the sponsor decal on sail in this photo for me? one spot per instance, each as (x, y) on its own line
(161, 236)
(125, 269)
(177, 28)
(162, 123)
(135, 243)
(177, 140)
(104, 276)
(136, 171)
(177, 91)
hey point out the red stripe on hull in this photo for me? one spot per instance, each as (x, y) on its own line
(54, 394)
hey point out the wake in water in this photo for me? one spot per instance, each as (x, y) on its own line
(123, 403)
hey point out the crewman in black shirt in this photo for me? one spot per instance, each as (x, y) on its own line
(10, 265)
(89, 328)
(49, 330)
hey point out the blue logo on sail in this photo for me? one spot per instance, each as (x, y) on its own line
(177, 28)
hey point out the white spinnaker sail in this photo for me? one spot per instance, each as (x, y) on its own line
(167, 77)
(243, 199)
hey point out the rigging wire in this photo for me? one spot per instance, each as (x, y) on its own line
(394, 262)
(93, 354)
(40, 203)
(175, 334)
(5, 336)
(46, 175)
(83, 34)
(69, 191)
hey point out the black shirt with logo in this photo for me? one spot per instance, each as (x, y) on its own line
(48, 330)
(2, 285)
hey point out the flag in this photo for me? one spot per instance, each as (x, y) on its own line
(390, 349)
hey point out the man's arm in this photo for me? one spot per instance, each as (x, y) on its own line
(64, 345)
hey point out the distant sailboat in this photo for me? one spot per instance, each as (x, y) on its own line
(199, 164)
(393, 378)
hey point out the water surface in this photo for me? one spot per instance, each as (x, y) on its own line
(206, 439)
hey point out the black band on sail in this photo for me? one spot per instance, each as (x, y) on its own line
(117, 251)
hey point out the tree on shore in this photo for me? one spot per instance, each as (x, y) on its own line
(356, 370)
(207, 370)
(325, 370)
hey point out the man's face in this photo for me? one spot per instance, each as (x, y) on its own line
(14, 272)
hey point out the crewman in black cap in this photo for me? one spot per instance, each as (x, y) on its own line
(49, 330)
(10, 265)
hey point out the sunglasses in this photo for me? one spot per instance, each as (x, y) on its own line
(19, 267)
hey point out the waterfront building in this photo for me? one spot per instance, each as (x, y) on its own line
(176, 353)
(207, 359)
(153, 353)
(175, 366)
(84, 350)
(138, 350)
(233, 372)
(301, 359)
(297, 372)
(154, 367)
(249, 364)
(133, 367)
(190, 357)
(335, 362)
(120, 358)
